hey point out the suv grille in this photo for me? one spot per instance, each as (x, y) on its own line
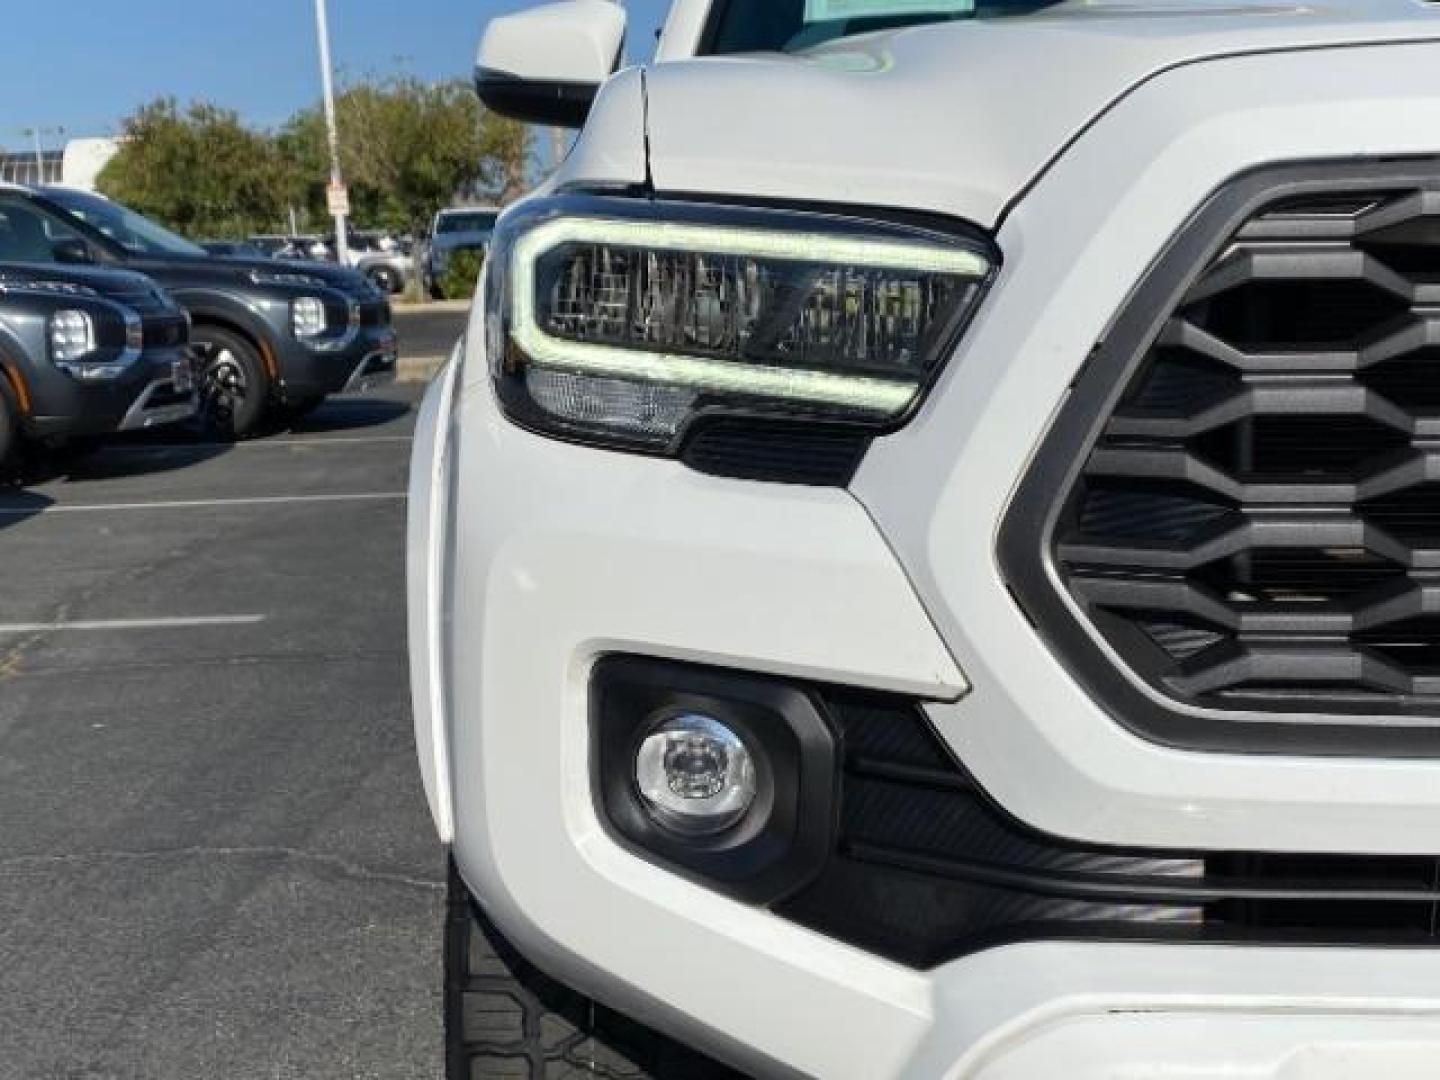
(1253, 528)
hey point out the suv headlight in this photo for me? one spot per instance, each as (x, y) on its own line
(72, 336)
(307, 316)
(627, 322)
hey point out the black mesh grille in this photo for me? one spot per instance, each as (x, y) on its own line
(166, 333)
(1254, 527)
(794, 452)
(926, 868)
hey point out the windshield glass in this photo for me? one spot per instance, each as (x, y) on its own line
(127, 228)
(478, 221)
(738, 26)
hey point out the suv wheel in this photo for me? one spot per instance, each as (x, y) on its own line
(503, 1018)
(385, 279)
(233, 387)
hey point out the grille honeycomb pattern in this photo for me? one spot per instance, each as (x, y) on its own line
(1257, 524)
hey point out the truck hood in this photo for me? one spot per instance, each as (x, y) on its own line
(958, 118)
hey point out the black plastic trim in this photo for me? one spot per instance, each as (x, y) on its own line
(928, 867)
(1027, 537)
(556, 104)
(783, 841)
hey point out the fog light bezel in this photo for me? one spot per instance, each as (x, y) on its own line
(783, 839)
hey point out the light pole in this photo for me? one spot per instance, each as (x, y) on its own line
(336, 195)
(35, 133)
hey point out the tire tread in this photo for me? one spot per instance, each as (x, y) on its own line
(504, 1018)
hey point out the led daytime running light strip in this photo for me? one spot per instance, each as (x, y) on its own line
(855, 391)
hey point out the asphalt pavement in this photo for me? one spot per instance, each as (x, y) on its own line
(215, 859)
(427, 334)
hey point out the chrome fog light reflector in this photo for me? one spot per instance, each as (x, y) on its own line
(695, 774)
(307, 316)
(705, 310)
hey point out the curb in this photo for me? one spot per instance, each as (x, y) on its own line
(418, 369)
(432, 306)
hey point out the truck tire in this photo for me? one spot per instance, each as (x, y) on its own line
(505, 1020)
(234, 389)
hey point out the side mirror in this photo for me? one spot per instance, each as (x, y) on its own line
(72, 250)
(545, 65)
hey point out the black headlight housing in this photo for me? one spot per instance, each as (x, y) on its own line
(642, 324)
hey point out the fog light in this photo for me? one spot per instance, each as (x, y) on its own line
(695, 774)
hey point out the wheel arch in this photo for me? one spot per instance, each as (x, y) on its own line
(427, 573)
(225, 314)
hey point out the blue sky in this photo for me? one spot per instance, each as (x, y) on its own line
(86, 64)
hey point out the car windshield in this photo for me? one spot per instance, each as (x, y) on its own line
(479, 221)
(738, 26)
(130, 230)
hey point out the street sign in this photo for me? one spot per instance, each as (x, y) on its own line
(338, 196)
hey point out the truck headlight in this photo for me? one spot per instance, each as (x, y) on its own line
(72, 336)
(307, 316)
(622, 321)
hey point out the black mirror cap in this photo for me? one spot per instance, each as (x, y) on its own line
(536, 101)
(72, 252)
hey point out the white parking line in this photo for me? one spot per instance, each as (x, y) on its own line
(180, 622)
(192, 504)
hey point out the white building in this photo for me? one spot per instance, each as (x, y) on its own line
(79, 165)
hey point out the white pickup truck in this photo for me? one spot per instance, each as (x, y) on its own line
(927, 561)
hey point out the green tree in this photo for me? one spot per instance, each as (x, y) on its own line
(408, 148)
(199, 170)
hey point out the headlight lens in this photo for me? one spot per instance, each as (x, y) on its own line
(307, 316)
(623, 321)
(72, 336)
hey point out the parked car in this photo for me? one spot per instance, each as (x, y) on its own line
(271, 338)
(84, 351)
(380, 257)
(232, 249)
(298, 248)
(923, 566)
(461, 228)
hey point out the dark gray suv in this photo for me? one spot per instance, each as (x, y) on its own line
(273, 338)
(84, 351)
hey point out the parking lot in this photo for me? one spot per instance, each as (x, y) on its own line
(215, 859)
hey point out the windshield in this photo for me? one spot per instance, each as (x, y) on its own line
(128, 229)
(738, 26)
(479, 221)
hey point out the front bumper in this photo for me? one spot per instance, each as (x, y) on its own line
(619, 557)
(365, 357)
(158, 389)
